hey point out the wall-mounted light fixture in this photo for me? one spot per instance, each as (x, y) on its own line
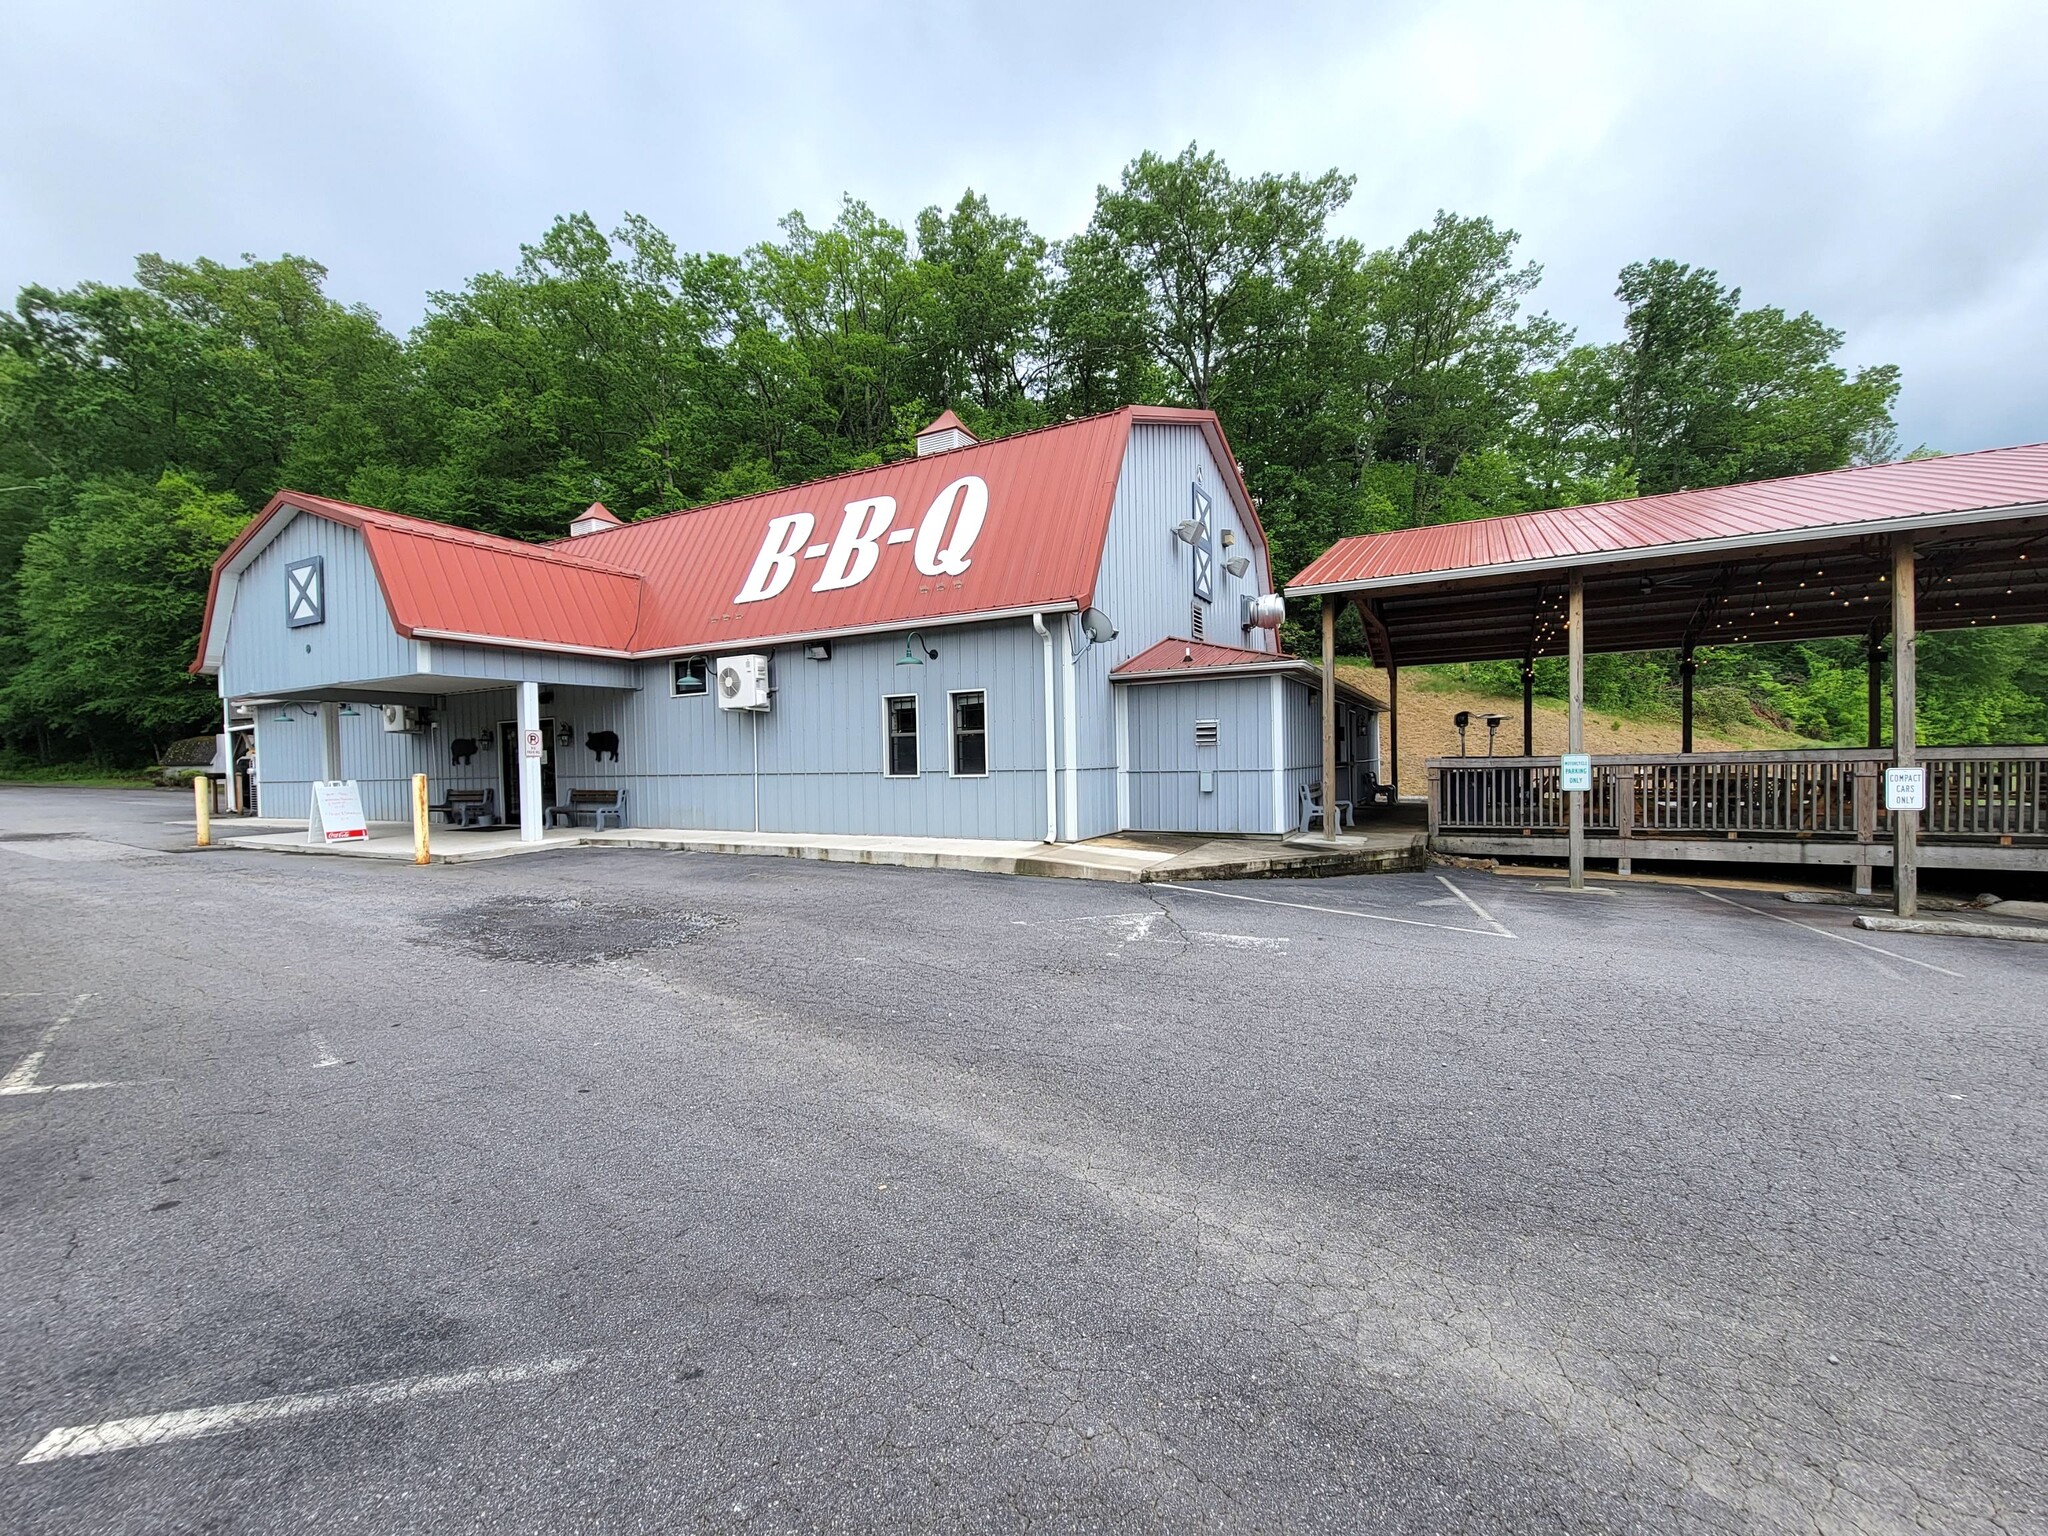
(487, 737)
(915, 652)
(1237, 565)
(1188, 532)
(566, 734)
(818, 650)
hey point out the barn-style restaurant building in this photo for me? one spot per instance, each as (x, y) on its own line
(1058, 635)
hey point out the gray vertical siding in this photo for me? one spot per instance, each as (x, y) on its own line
(355, 644)
(1165, 766)
(687, 763)
(1145, 585)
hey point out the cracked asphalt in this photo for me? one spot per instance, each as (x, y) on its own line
(871, 1199)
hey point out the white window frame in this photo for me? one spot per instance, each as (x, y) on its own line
(916, 735)
(698, 693)
(953, 734)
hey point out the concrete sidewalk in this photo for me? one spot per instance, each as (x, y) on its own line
(1127, 857)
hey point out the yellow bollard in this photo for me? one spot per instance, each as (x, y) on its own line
(420, 853)
(202, 808)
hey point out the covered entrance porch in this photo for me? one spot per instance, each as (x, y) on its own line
(498, 755)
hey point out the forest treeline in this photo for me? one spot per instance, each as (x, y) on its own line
(1363, 390)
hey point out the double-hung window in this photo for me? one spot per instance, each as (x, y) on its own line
(970, 734)
(899, 747)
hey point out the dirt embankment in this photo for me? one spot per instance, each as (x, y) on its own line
(1426, 729)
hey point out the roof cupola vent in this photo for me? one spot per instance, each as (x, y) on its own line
(946, 433)
(594, 518)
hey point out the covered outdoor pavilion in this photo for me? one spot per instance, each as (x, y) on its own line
(1881, 553)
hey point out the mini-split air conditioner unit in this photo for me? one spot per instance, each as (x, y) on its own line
(401, 717)
(743, 682)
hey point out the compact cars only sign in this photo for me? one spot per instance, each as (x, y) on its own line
(940, 541)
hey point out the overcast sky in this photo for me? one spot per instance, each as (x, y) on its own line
(1884, 166)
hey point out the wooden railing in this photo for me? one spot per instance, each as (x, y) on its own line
(1973, 793)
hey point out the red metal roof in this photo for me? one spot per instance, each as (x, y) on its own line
(947, 422)
(440, 580)
(1016, 525)
(596, 512)
(1836, 499)
(1179, 656)
(1043, 499)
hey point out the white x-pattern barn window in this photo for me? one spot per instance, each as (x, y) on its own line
(1205, 549)
(305, 593)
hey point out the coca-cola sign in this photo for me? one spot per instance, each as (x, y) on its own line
(940, 541)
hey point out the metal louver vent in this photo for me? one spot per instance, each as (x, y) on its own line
(1205, 733)
(1195, 620)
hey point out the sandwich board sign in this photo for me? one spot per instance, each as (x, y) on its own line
(337, 815)
(1905, 789)
(1575, 772)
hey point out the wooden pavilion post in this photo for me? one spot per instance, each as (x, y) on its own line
(1528, 706)
(1685, 673)
(1394, 728)
(1576, 727)
(1905, 824)
(1330, 718)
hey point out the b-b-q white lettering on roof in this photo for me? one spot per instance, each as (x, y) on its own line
(944, 538)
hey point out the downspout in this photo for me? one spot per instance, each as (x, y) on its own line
(1073, 735)
(1052, 804)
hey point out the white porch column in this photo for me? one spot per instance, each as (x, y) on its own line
(330, 742)
(530, 811)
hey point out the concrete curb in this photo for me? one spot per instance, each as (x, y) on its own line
(1952, 928)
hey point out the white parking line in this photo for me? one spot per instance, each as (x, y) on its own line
(1483, 915)
(327, 1056)
(1303, 906)
(1839, 938)
(23, 1078)
(226, 1418)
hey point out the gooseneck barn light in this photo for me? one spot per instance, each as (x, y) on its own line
(913, 644)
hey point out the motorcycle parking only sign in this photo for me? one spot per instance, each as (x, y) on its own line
(1575, 772)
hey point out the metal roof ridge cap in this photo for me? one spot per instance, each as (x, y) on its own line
(1811, 533)
(500, 544)
(843, 474)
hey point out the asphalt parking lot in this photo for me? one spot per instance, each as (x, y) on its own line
(622, 1191)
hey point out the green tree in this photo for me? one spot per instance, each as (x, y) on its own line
(111, 595)
(1705, 392)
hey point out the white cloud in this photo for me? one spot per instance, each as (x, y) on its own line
(1877, 164)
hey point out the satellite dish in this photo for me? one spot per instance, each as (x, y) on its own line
(1096, 626)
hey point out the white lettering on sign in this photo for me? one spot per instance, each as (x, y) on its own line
(962, 505)
(777, 561)
(858, 546)
(942, 543)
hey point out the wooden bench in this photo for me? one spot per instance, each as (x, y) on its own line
(468, 808)
(1311, 811)
(593, 803)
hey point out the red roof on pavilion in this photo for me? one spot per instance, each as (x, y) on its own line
(1876, 497)
(947, 422)
(1012, 526)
